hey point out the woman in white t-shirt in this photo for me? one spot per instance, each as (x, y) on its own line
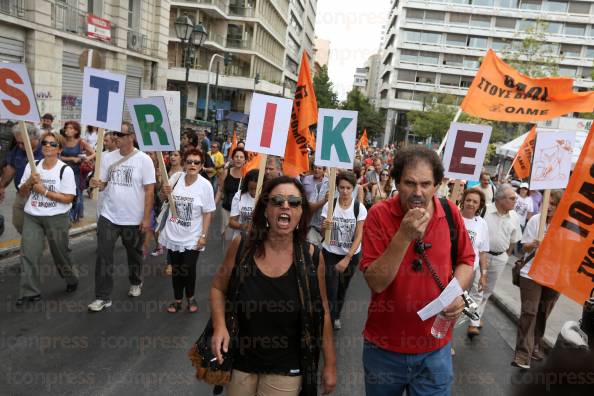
(537, 301)
(524, 205)
(49, 193)
(184, 236)
(342, 251)
(243, 203)
(473, 203)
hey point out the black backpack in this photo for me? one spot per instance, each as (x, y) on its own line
(453, 233)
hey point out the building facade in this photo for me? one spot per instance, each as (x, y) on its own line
(300, 38)
(434, 46)
(51, 36)
(321, 53)
(366, 79)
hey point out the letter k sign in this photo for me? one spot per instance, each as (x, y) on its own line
(332, 136)
(336, 129)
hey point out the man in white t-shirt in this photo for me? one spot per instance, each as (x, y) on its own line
(128, 182)
(486, 187)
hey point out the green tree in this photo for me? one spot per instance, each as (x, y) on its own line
(435, 118)
(369, 118)
(324, 90)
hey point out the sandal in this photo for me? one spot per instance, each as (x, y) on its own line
(192, 305)
(174, 307)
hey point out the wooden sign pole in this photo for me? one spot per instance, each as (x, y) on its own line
(543, 214)
(261, 172)
(165, 181)
(28, 149)
(98, 155)
(331, 191)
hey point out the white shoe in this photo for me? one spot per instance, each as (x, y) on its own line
(99, 305)
(135, 290)
(337, 325)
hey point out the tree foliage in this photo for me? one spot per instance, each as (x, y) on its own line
(369, 118)
(324, 89)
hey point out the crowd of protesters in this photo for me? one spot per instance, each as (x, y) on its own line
(387, 203)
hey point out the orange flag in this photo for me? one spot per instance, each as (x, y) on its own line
(501, 93)
(364, 141)
(233, 144)
(565, 258)
(253, 162)
(523, 160)
(304, 115)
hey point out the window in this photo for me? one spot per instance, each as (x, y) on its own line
(507, 3)
(525, 24)
(567, 71)
(461, 1)
(456, 40)
(505, 23)
(453, 60)
(413, 36)
(555, 6)
(430, 38)
(133, 14)
(572, 51)
(587, 73)
(533, 5)
(554, 27)
(431, 58)
(572, 29)
(485, 3)
(590, 52)
(481, 21)
(499, 44)
(576, 7)
(465, 82)
(408, 56)
(592, 31)
(459, 19)
(550, 49)
(95, 7)
(434, 16)
(405, 95)
(414, 15)
(406, 75)
(449, 80)
(425, 78)
(471, 62)
(477, 42)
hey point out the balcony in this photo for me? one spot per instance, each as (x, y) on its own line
(238, 43)
(69, 19)
(216, 38)
(15, 8)
(235, 10)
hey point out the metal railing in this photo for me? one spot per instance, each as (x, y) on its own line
(68, 18)
(15, 8)
(216, 38)
(240, 11)
(238, 43)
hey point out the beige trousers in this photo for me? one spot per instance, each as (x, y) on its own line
(246, 384)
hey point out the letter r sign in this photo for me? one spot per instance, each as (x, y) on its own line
(465, 150)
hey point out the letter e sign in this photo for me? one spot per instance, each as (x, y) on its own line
(465, 150)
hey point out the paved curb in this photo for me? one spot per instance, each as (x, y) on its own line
(14, 250)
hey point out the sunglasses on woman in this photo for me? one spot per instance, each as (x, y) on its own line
(385, 175)
(279, 200)
(193, 162)
(120, 134)
(48, 143)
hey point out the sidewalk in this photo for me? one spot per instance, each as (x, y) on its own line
(507, 297)
(10, 241)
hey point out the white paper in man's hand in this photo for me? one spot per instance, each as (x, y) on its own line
(447, 296)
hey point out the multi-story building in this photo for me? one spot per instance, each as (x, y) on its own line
(435, 45)
(360, 79)
(300, 38)
(321, 53)
(366, 78)
(50, 37)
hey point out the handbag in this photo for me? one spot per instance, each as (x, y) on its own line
(517, 268)
(203, 359)
(164, 212)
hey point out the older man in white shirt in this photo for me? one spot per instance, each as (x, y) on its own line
(504, 233)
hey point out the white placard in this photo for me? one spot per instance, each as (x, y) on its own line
(268, 128)
(172, 102)
(17, 101)
(103, 99)
(151, 123)
(465, 150)
(551, 163)
(336, 138)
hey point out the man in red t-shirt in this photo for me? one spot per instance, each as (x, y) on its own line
(400, 352)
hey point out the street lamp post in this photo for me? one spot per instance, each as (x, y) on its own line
(190, 35)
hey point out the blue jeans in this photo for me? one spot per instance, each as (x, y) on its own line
(390, 373)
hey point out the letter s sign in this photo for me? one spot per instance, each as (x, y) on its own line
(17, 101)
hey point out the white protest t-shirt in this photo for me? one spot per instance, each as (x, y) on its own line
(123, 201)
(242, 206)
(529, 235)
(191, 202)
(344, 225)
(478, 231)
(40, 205)
(523, 207)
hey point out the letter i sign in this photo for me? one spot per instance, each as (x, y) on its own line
(269, 125)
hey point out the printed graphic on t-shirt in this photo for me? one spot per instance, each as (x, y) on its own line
(40, 200)
(343, 231)
(472, 235)
(122, 176)
(521, 208)
(245, 214)
(184, 208)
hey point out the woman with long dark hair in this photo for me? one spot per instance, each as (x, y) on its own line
(278, 343)
(243, 203)
(227, 190)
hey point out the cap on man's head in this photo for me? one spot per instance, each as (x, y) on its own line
(525, 185)
(47, 116)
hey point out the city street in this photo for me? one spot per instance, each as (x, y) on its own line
(136, 348)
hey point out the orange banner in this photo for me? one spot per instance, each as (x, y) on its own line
(501, 93)
(304, 115)
(252, 162)
(523, 160)
(363, 141)
(233, 144)
(565, 258)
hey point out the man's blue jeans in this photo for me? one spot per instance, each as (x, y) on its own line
(390, 374)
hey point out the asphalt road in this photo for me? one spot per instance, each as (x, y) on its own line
(56, 347)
